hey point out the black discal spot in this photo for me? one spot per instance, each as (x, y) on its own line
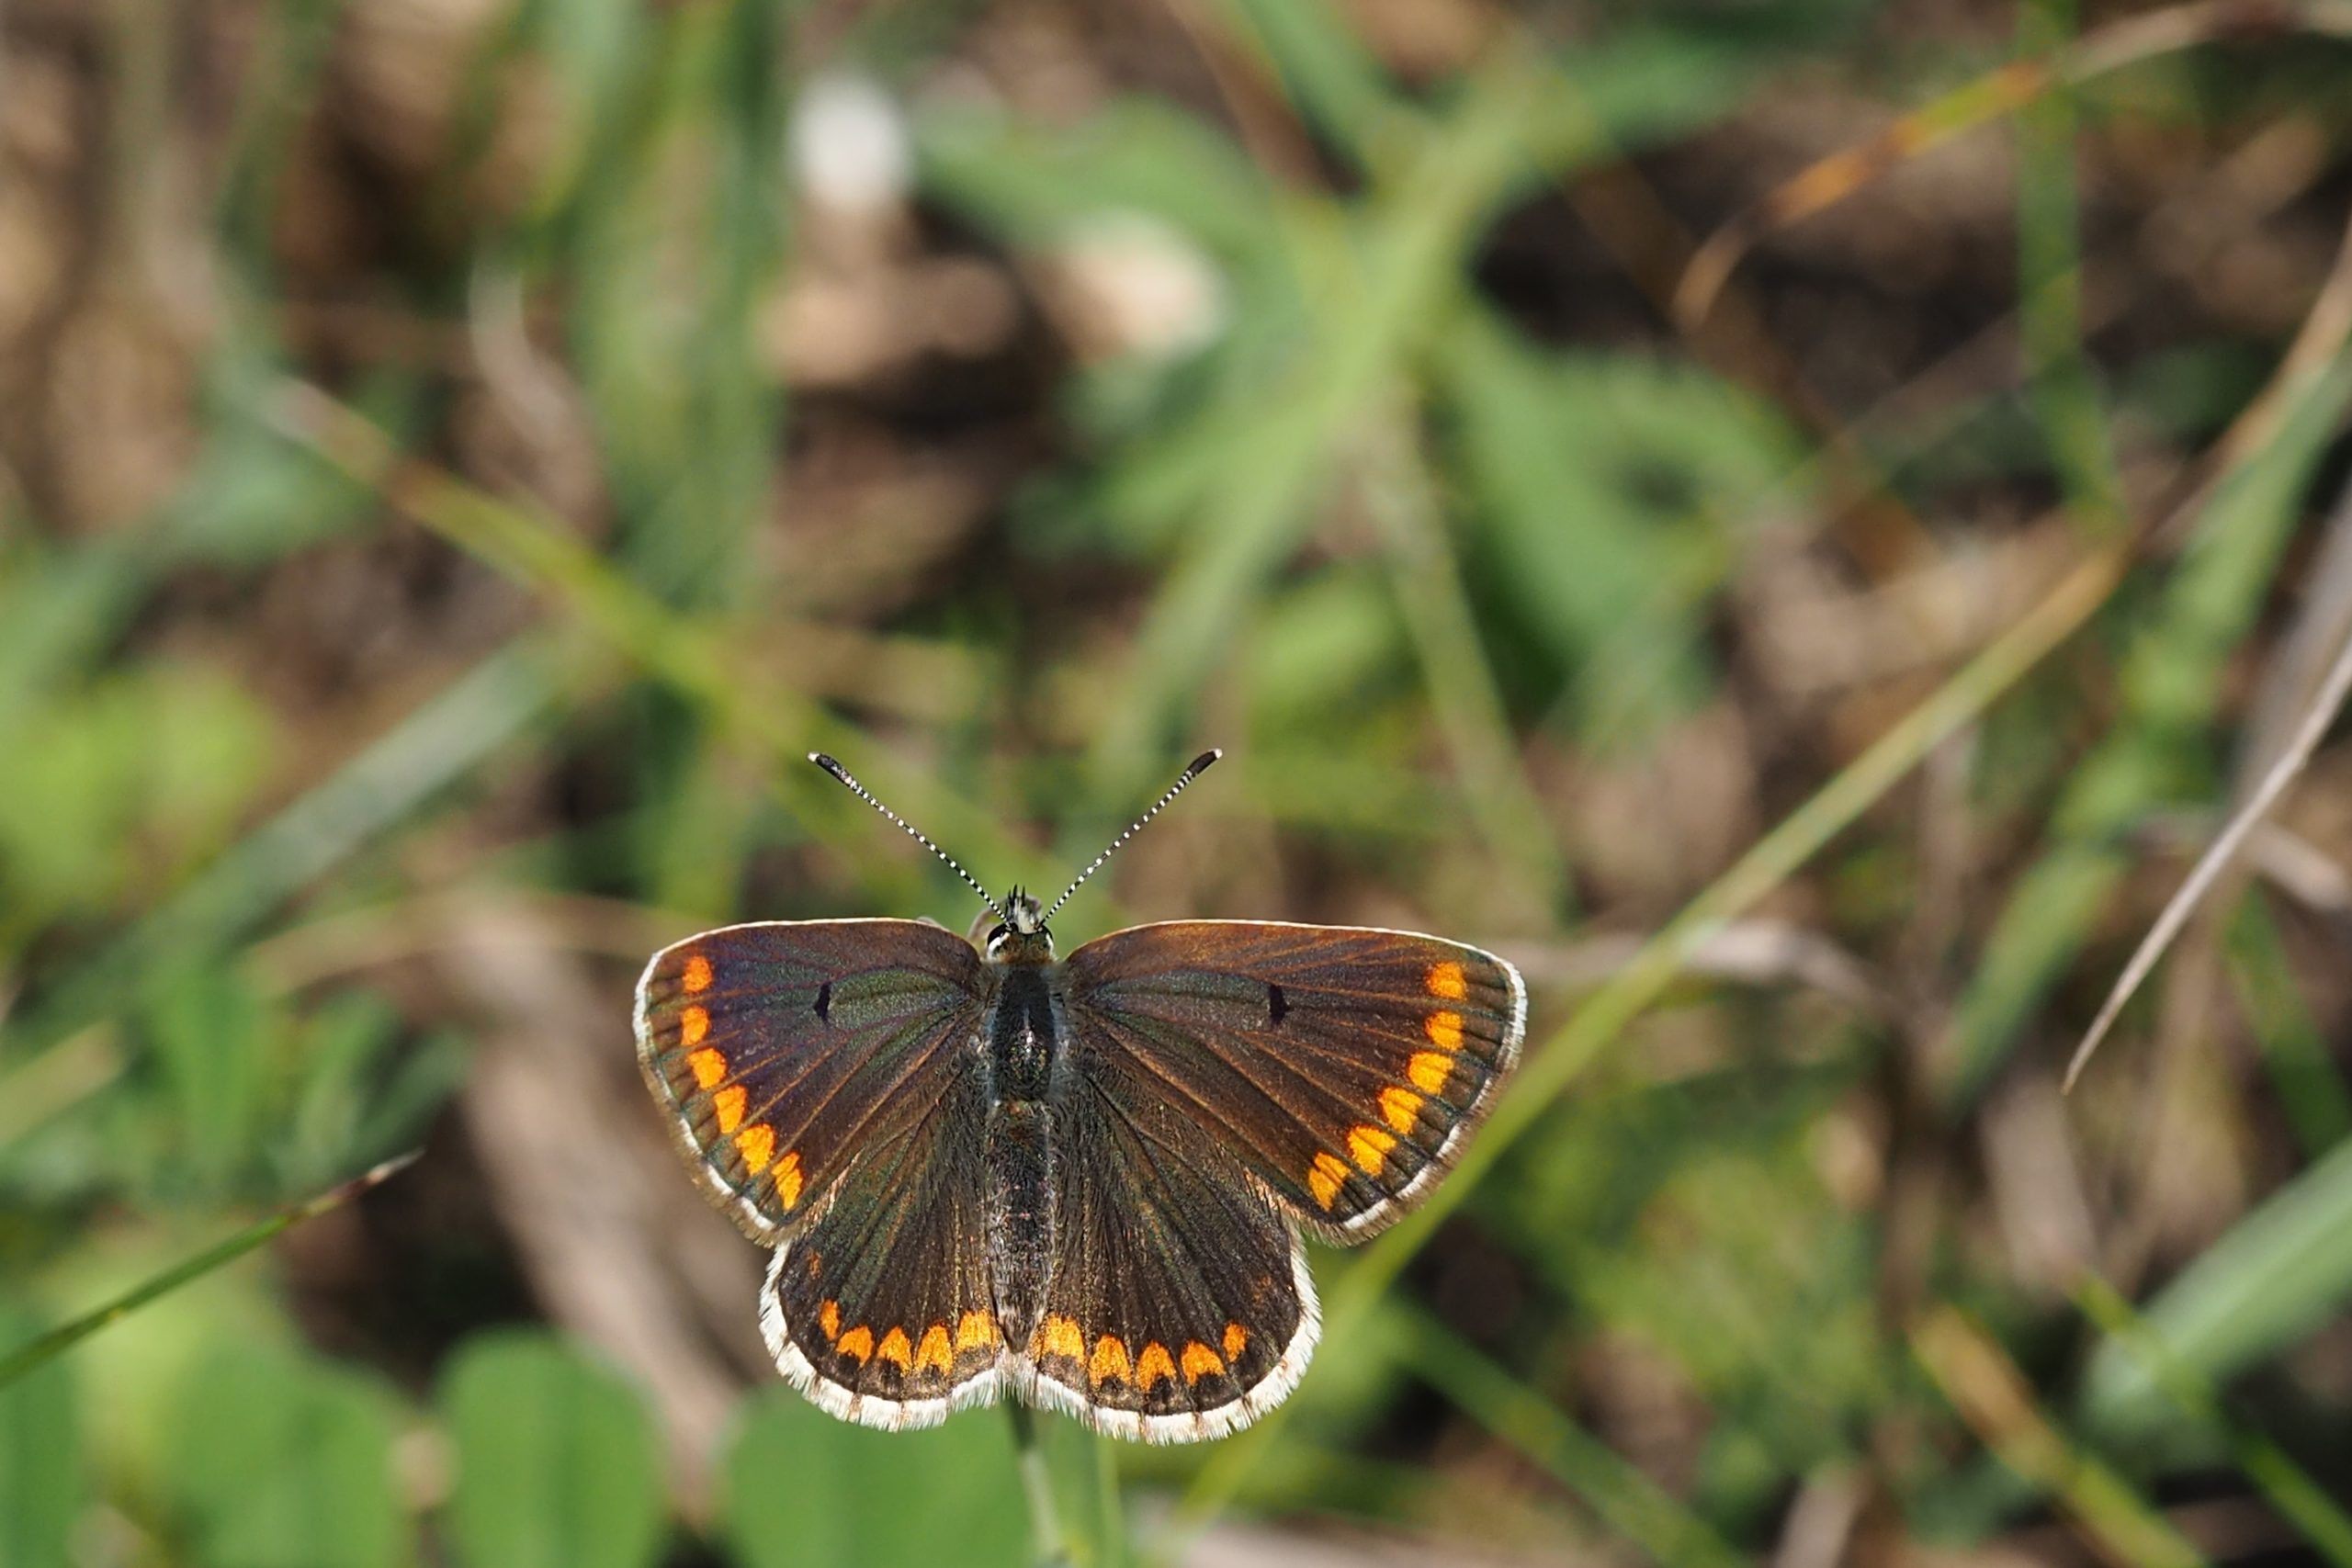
(1276, 1004)
(824, 1008)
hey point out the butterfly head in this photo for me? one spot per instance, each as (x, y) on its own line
(1021, 937)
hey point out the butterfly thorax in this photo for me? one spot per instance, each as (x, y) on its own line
(1025, 1031)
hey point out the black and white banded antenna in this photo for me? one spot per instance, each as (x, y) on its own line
(860, 791)
(1199, 765)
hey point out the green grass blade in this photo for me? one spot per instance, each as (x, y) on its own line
(2275, 1275)
(59, 1340)
(2311, 1092)
(2060, 378)
(2291, 1489)
(1660, 1528)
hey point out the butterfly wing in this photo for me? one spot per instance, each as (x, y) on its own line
(780, 1049)
(1180, 1306)
(1339, 1067)
(881, 1310)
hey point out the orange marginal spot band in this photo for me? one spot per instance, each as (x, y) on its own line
(756, 1144)
(897, 1349)
(1110, 1361)
(1155, 1365)
(934, 1351)
(857, 1344)
(829, 1318)
(975, 1331)
(1237, 1339)
(1445, 980)
(696, 977)
(693, 1024)
(1060, 1337)
(1200, 1361)
(1324, 1176)
(728, 1103)
(1430, 1071)
(1444, 1030)
(787, 1179)
(1400, 1108)
(1369, 1146)
(709, 1067)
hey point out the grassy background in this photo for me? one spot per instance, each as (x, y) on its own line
(455, 455)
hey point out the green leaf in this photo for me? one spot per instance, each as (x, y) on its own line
(2273, 1277)
(40, 1458)
(867, 1499)
(287, 1463)
(558, 1466)
(1600, 482)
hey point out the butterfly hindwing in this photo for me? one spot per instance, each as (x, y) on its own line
(1339, 1067)
(1179, 1306)
(881, 1309)
(781, 1049)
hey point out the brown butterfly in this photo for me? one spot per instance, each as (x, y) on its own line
(1080, 1182)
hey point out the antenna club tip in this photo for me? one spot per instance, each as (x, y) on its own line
(825, 762)
(1201, 763)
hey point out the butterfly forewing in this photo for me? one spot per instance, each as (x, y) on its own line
(1339, 1067)
(1180, 1306)
(880, 1309)
(784, 1049)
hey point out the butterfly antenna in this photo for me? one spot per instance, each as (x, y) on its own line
(1199, 765)
(860, 791)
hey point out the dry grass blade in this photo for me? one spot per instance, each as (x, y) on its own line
(1992, 1397)
(1832, 179)
(2215, 859)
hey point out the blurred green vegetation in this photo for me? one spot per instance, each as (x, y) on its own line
(458, 455)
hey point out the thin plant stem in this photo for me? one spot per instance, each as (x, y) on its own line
(59, 1340)
(1038, 1483)
(1106, 1503)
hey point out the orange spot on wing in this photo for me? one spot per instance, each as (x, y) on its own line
(695, 977)
(693, 1024)
(1110, 1360)
(728, 1103)
(934, 1351)
(787, 1179)
(857, 1344)
(1200, 1361)
(897, 1348)
(1155, 1365)
(1060, 1337)
(1237, 1339)
(975, 1331)
(1368, 1146)
(1444, 1030)
(1400, 1108)
(756, 1144)
(829, 1318)
(1430, 1071)
(709, 1067)
(1446, 980)
(1324, 1178)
